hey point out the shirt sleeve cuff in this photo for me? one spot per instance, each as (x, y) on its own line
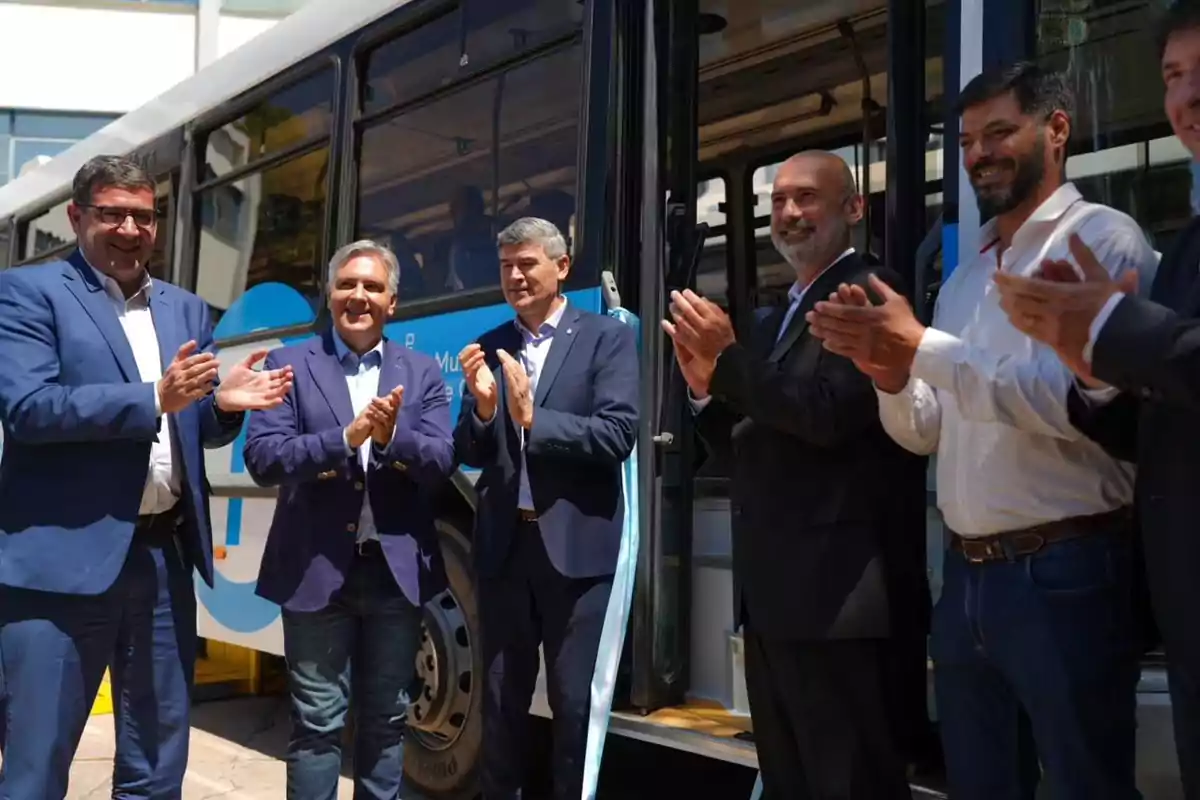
(936, 357)
(346, 442)
(158, 399)
(1096, 397)
(698, 405)
(1098, 324)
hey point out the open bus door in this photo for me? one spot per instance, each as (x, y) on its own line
(670, 244)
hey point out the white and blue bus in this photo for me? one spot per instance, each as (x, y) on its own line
(649, 131)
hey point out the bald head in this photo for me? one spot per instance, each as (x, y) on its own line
(814, 204)
(829, 169)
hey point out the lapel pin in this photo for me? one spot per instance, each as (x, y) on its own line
(568, 331)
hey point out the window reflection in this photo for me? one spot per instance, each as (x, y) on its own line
(47, 232)
(438, 183)
(712, 276)
(1122, 150)
(273, 233)
(437, 53)
(501, 29)
(412, 64)
(292, 116)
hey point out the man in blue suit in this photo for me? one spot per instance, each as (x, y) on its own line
(108, 395)
(551, 416)
(359, 449)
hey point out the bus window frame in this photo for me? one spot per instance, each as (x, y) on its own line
(20, 230)
(188, 267)
(357, 122)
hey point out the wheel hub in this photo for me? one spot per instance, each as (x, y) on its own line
(438, 714)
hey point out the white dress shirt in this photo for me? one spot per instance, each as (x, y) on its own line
(161, 492)
(362, 380)
(795, 294)
(992, 403)
(534, 349)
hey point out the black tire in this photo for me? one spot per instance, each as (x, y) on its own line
(442, 762)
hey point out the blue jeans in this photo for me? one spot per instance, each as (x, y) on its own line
(368, 638)
(1035, 658)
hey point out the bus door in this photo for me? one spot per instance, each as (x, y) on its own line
(658, 634)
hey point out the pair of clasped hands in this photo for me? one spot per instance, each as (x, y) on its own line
(191, 375)
(377, 421)
(482, 385)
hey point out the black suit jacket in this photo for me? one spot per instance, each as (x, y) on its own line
(828, 512)
(1150, 349)
(585, 423)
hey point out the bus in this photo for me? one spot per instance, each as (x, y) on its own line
(649, 132)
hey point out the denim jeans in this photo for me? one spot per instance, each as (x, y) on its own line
(364, 642)
(1036, 659)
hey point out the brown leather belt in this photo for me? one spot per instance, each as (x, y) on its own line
(1027, 541)
(526, 515)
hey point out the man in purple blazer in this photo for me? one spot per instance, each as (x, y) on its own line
(358, 449)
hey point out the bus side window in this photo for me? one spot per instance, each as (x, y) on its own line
(440, 180)
(265, 227)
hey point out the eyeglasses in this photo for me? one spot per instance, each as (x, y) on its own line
(115, 216)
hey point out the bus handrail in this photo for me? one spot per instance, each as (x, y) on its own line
(927, 251)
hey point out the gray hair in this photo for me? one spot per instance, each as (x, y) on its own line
(108, 172)
(534, 230)
(371, 249)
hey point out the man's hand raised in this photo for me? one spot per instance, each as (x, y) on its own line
(382, 412)
(189, 377)
(480, 381)
(248, 389)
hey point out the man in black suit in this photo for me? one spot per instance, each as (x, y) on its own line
(828, 546)
(551, 416)
(1137, 361)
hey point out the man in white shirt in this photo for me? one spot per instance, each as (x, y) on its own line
(1147, 349)
(1034, 632)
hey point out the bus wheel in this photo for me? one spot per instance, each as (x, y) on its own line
(441, 753)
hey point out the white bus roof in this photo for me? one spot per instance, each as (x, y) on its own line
(309, 30)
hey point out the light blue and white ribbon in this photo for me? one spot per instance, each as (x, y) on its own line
(616, 618)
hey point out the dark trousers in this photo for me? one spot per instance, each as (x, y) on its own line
(363, 644)
(906, 684)
(54, 650)
(1184, 681)
(820, 724)
(1039, 647)
(530, 604)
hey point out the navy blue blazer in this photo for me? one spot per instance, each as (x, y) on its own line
(79, 423)
(299, 447)
(585, 423)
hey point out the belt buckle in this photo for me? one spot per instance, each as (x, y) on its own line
(986, 551)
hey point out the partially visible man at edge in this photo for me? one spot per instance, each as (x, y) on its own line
(1034, 640)
(108, 395)
(828, 513)
(1138, 393)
